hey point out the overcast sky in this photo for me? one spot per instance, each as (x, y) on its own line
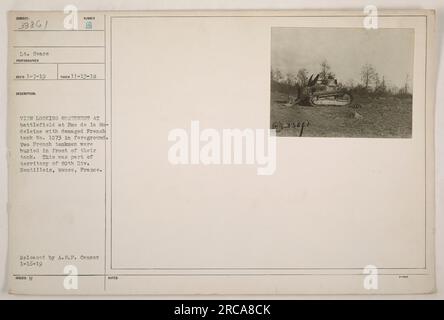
(390, 51)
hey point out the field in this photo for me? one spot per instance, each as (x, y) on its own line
(367, 117)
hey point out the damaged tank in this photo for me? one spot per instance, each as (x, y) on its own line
(327, 92)
(321, 92)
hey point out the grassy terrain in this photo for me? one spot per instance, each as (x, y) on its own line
(381, 117)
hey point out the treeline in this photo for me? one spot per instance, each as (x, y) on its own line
(371, 82)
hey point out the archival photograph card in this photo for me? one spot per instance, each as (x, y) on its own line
(221, 152)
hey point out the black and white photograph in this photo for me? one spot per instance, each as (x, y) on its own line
(222, 157)
(342, 82)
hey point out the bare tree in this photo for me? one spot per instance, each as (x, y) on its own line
(302, 77)
(377, 81)
(368, 75)
(381, 87)
(325, 71)
(406, 85)
(276, 75)
(290, 79)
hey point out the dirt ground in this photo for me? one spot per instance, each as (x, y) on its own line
(381, 117)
